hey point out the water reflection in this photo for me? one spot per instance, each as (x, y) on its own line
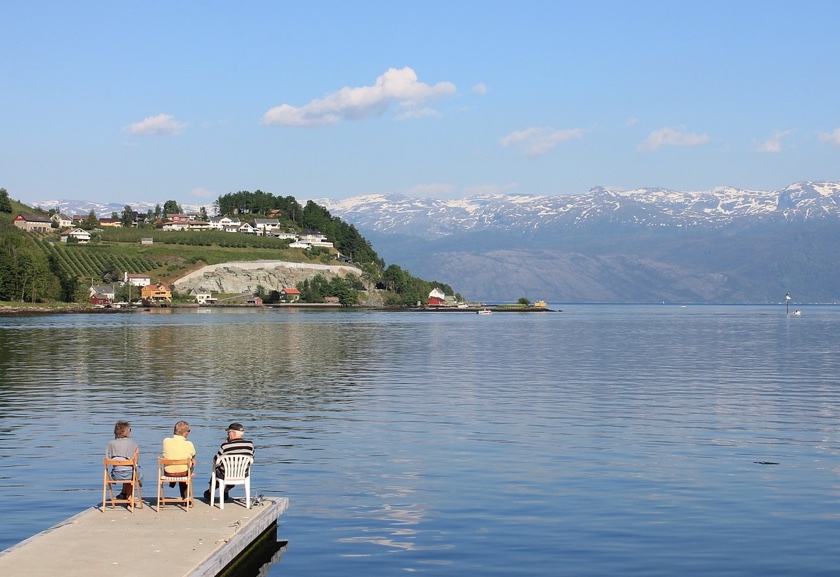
(620, 439)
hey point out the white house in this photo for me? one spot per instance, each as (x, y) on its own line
(203, 296)
(105, 291)
(314, 238)
(225, 223)
(62, 220)
(247, 228)
(283, 235)
(266, 225)
(199, 225)
(137, 279)
(177, 225)
(77, 235)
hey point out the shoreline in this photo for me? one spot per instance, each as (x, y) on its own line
(29, 310)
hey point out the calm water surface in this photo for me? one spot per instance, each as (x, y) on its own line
(604, 440)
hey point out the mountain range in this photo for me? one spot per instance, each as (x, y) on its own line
(725, 245)
(646, 245)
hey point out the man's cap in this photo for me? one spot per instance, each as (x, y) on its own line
(235, 427)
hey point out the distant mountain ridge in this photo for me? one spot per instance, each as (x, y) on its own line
(644, 207)
(644, 245)
(106, 209)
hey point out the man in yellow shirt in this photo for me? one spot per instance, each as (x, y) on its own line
(178, 447)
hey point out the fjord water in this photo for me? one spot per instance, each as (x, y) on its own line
(603, 440)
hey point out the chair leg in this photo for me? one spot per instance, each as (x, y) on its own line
(247, 492)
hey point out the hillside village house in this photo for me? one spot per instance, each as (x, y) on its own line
(203, 296)
(266, 226)
(314, 238)
(62, 220)
(33, 222)
(155, 293)
(290, 295)
(112, 222)
(283, 235)
(437, 297)
(177, 225)
(76, 235)
(187, 217)
(137, 279)
(199, 225)
(225, 223)
(102, 294)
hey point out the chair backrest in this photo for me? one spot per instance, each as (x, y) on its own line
(163, 462)
(235, 466)
(119, 462)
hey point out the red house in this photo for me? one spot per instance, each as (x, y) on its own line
(290, 294)
(436, 297)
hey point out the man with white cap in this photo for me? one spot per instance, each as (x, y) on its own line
(235, 444)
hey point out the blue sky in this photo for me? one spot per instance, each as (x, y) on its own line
(148, 101)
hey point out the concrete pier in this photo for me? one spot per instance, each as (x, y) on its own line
(200, 542)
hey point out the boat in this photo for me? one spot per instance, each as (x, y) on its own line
(484, 311)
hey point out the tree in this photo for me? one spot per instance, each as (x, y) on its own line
(203, 214)
(523, 301)
(171, 207)
(5, 202)
(91, 221)
(127, 216)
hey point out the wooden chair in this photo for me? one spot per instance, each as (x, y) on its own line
(136, 499)
(163, 479)
(236, 469)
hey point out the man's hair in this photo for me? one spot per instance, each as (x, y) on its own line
(181, 427)
(121, 429)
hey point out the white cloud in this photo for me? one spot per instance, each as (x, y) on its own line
(480, 88)
(160, 125)
(774, 143)
(668, 136)
(536, 141)
(395, 86)
(831, 137)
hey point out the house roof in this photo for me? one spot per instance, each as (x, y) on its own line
(31, 217)
(291, 291)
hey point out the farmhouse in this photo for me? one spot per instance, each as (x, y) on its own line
(33, 222)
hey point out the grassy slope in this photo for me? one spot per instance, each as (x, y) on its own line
(172, 260)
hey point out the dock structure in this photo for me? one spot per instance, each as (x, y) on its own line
(201, 542)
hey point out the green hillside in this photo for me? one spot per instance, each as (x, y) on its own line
(39, 268)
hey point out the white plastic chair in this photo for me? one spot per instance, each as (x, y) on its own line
(236, 473)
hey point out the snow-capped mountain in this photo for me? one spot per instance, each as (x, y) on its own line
(105, 210)
(644, 207)
(644, 245)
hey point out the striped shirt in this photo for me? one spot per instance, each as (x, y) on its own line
(234, 447)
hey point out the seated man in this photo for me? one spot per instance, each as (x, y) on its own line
(178, 447)
(234, 445)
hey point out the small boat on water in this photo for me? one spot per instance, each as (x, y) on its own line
(484, 311)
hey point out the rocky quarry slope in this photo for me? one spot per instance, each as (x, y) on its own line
(241, 277)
